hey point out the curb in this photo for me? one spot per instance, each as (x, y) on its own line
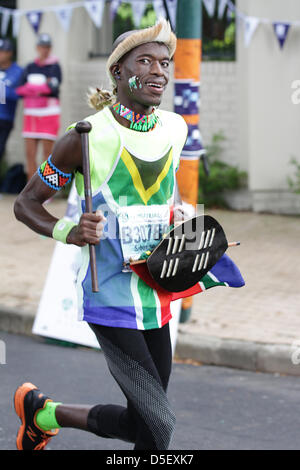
(16, 321)
(238, 354)
(208, 350)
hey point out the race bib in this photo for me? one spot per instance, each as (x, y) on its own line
(141, 228)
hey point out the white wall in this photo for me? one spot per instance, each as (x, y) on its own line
(268, 121)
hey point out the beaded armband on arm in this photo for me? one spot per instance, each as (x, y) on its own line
(52, 176)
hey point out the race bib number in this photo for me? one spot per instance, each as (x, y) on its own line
(141, 229)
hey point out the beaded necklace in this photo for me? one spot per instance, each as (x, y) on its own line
(138, 122)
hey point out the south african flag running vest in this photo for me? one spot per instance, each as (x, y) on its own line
(132, 176)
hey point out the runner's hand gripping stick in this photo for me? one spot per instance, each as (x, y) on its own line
(83, 128)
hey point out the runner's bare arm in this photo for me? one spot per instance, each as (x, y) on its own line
(29, 207)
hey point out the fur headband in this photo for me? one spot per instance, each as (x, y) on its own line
(160, 32)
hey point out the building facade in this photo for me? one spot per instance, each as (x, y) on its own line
(249, 100)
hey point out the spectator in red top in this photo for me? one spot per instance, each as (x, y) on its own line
(40, 91)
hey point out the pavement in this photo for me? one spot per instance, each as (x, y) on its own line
(216, 408)
(256, 327)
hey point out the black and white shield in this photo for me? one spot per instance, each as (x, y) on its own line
(187, 253)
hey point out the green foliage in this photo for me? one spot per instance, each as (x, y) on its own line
(294, 183)
(218, 34)
(218, 38)
(220, 49)
(124, 19)
(149, 17)
(222, 176)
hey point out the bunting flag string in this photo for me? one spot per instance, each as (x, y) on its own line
(95, 9)
(280, 28)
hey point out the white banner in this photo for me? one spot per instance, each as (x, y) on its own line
(250, 25)
(221, 8)
(6, 12)
(64, 15)
(95, 10)
(210, 6)
(159, 9)
(138, 9)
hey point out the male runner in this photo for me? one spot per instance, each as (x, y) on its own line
(134, 153)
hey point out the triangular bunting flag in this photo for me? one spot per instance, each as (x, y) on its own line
(221, 8)
(230, 15)
(281, 31)
(251, 24)
(34, 17)
(159, 9)
(172, 9)
(230, 10)
(5, 20)
(138, 9)
(16, 16)
(114, 6)
(95, 10)
(210, 6)
(64, 15)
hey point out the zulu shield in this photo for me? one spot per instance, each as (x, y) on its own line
(187, 253)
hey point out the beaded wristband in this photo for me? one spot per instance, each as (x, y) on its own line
(52, 176)
(61, 230)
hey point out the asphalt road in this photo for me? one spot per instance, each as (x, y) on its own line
(217, 408)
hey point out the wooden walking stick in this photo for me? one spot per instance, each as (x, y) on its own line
(83, 128)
